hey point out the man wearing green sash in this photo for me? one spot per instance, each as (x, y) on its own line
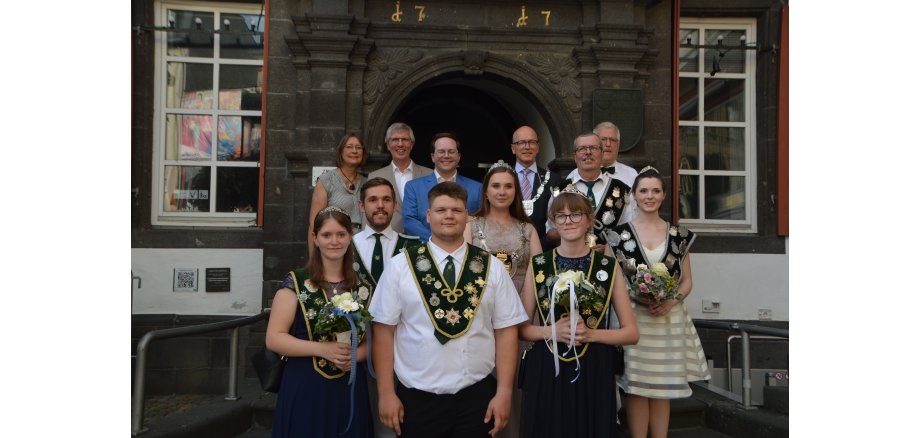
(446, 316)
(375, 246)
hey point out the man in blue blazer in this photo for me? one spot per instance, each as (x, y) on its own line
(445, 153)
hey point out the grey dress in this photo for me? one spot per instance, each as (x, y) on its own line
(339, 196)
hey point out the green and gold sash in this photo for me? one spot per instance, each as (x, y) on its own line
(601, 273)
(312, 299)
(450, 307)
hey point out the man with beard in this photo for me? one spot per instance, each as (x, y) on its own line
(378, 242)
(375, 246)
(445, 315)
(399, 140)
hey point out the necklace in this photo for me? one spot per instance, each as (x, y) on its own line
(351, 183)
(334, 285)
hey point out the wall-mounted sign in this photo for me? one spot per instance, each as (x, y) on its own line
(217, 279)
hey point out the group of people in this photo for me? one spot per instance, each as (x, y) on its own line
(499, 309)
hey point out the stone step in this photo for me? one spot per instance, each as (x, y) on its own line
(776, 398)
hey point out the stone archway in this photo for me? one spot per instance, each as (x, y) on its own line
(394, 77)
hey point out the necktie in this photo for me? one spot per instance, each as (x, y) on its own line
(590, 192)
(449, 275)
(526, 188)
(377, 260)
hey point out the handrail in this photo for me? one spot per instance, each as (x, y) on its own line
(140, 368)
(746, 330)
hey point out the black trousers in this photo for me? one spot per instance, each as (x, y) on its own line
(447, 415)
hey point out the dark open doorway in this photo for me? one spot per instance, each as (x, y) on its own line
(481, 122)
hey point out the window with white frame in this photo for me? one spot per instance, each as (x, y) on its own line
(717, 160)
(208, 114)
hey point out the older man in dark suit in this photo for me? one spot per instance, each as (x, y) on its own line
(536, 182)
(402, 169)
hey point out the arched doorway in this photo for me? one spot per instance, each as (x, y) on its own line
(483, 111)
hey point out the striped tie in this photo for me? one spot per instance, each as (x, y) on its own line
(526, 188)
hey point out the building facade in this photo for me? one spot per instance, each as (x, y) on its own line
(237, 107)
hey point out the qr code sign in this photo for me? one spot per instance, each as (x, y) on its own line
(185, 280)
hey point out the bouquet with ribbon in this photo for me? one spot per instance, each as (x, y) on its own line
(654, 284)
(572, 291)
(344, 319)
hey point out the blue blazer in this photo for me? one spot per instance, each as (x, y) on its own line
(415, 202)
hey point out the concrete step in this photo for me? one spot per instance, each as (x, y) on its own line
(776, 398)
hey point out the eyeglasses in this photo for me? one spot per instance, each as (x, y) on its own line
(587, 147)
(448, 152)
(400, 140)
(522, 143)
(559, 219)
(353, 147)
(609, 139)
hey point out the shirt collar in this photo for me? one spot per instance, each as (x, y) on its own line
(437, 175)
(577, 177)
(368, 233)
(533, 167)
(408, 168)
(439, 254)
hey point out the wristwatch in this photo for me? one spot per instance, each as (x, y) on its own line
(680, 297)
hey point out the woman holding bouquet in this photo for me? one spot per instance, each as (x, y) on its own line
(315, 399)
(669, 353)
(566, 376)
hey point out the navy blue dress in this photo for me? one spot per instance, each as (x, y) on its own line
(310, 405)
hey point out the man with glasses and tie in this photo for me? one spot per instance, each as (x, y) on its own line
(399, 140)
(609, 197)
(445, 153)
(536, 182)
(445, 316)
(375, 247)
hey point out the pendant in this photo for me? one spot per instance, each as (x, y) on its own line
(528, 207)
(351, 187)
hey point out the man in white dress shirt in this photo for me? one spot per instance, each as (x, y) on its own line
(376, 245)
(399, 140)
(445, 315)
(609, 196)
(610, 142)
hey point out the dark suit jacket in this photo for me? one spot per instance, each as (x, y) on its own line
(387, 173)
(539, 207)
(415, 202)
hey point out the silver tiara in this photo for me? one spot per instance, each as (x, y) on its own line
(500, 163)
(649, 168)
(330, 209)
(571, 189)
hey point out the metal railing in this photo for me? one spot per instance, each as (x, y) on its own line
(140, 369)
(746, 331)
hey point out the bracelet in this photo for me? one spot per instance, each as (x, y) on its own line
(680, 297)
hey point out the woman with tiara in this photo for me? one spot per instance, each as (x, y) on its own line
(669, 354)
(501, 226)
(567, 378)
(315, 399)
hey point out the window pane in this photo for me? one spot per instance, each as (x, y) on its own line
(241, 46)
(237, 189)
(186, 188)
(733, 61)
(199, 44)
(689, 147)
(689, 98)
(689, 58)
(689, 197)
(241, 87)
(188, 137)
(725, 197)
(724, 100)
(238, 138)
(189, 85)
(724, 148)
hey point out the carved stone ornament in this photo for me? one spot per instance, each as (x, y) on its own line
(473, 62)
(562, 73)
(384, 67)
